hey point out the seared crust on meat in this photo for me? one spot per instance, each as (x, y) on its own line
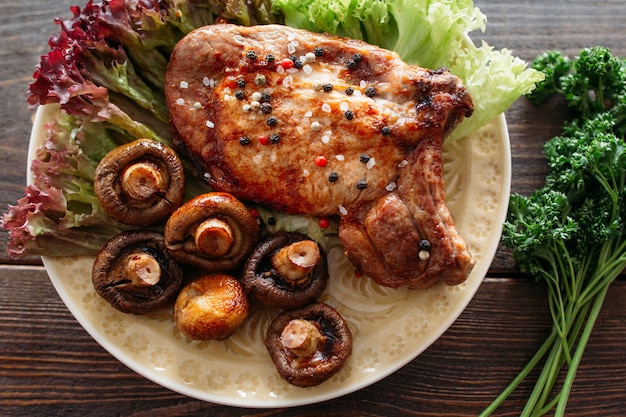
(315, 124)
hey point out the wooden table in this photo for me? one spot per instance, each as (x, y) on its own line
(50, 366)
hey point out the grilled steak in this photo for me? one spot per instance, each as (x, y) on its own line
(320, 125)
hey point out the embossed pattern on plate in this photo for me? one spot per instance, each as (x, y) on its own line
(390, 326)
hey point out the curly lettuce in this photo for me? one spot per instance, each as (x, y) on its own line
(60, 213)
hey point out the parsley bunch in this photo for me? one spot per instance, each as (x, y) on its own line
(571, 233)
(594, 82)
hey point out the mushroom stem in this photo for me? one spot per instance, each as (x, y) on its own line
(142, 180)
(143, 270)
(214, 237)
(301, 337)
(295, 261)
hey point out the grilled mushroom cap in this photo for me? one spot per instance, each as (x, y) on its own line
(211, 307)
(213, 231)
(286, 271)
(309, 345)
(134, 273)
(140, 183)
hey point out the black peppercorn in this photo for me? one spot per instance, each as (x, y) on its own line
(349, 114)
(265, 97)
(251, 55)
(361, 184)
(364, 158)
(241, 83)
(357, 57)
(319, 51)
(424, 245)
(244, 140)
(351, 64)
(333, 177)
(296, 62)
(269, 58)
(240, 95)
(328, 88)
(385, 130)
(272, 121)
(370, 91)
(274, 138)
(349, 91)
(266, 108)
(271, 221)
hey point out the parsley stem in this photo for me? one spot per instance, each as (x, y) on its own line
(546, 380)
(521, 376)
(606, 275)
(582, 343)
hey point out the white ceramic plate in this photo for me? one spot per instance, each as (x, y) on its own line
(390, 326)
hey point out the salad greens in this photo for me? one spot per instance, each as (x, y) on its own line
(62, 197)
(106, 68)
(571, 233)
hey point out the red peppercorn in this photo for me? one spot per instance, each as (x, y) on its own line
(286, 63)
(254, 212)
(321, 161)
(263, 140)
(323, 222)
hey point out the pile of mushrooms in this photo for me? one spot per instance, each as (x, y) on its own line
(217, 239)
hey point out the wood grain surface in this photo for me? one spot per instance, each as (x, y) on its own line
(49, 366)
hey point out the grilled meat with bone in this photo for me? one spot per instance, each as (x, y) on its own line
(315, 124)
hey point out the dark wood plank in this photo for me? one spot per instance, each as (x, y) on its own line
(50, 366)
(25, 27)
(48, 362)
(530, 27)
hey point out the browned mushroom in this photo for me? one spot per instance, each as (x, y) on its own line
(286, 271)
(140, 183)
(213, 231)
(309, 345)
(211, 307)
(135, 274)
